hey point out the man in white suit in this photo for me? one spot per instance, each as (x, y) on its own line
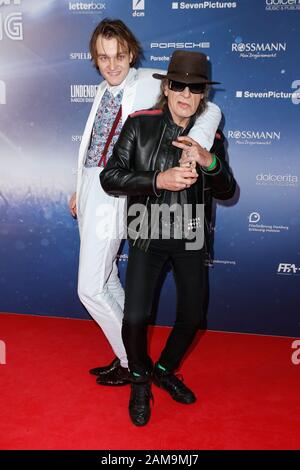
(115, 51)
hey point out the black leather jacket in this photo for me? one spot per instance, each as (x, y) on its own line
(144, 148)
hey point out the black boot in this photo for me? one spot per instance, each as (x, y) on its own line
(139, 403)
(173, 385)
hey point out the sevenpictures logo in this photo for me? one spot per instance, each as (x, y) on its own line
(138, 8)
(294, 96)
(251, 137)
(202, 5)
(281, 5)
(83, 93)
(288, 269)
(254, 225)
(86, 7)
(11, 23)
(254, 50)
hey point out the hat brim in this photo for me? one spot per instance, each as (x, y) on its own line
(184, 79)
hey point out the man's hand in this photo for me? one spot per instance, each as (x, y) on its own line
(72, 206)
(176, 179)
(192, 152)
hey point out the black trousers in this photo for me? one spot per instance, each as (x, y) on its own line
(143, 271)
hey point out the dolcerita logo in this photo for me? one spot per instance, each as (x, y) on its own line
(83, 93)
(86, 7)
(251, 137)
(202, 5)
(255, 50)
(281, 5)
(138, 8)
(268, 179)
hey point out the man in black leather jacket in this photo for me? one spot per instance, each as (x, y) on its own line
(158, 166)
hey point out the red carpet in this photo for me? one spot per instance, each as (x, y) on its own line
(247, 388)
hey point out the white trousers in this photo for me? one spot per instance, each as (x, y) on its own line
(101, 228)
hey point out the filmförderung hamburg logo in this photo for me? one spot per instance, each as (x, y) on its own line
(256, 224)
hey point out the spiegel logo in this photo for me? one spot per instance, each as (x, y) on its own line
(80, 56)
(2, 92)
(138, 7)
(277, 5)
(253, 50)
(296, 354)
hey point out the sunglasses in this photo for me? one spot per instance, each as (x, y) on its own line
(195, 88)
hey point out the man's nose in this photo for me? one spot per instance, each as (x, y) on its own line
(112, 63)
(186, 92)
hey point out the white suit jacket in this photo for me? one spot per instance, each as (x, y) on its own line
(141, 92)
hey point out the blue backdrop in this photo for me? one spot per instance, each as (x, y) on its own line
(47, 84)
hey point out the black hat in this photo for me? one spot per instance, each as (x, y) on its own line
(187, 67)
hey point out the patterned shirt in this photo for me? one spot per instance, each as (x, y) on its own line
(105, 117)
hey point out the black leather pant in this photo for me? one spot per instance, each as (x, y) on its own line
(143, 272)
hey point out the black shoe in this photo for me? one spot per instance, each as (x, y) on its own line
(106, 369)
(116, 377)
(139, 403)
(174, 386)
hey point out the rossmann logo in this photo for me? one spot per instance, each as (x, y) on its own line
(253, 50)
(289, 269)
(86, 7)
(202, 5)
(276, 5)
(250, 137)
(83, 93)
(180, 45)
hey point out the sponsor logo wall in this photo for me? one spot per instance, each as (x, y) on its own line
(47, 86)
